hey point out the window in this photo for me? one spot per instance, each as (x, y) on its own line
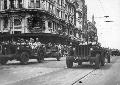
(19, 3)
(62, 2)
(37, 3)
(52, 8)
(12, 4)
(0, 5)
(49, 24)
(17, 22)
(17, 32)
(65, 16)
(61, 14)
(70, 32)
(65, 6)
(71, 19)
(73, 10)
(5, 22)
(32, 4)
(58, 1)
(58, 11)
(5, 4)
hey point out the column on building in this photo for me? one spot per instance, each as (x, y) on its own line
(56, 28)
(23, 25)
(0, 25)
(46, 26)
(52, 27)
(13, 28)
(2, 4)
(8, 4)
(9, 24)
(26, 3)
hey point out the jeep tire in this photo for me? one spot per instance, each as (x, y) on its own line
(102, 60)
(24, 58)
(58, 57)
(3, 61)
(40, 58)
(69, 62)
(97, 61)
(108, 58)
(79, 62)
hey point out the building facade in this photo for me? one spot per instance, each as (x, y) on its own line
(81, 19)
(37, 16)
(92, 32)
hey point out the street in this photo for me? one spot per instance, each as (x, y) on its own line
(52, 72)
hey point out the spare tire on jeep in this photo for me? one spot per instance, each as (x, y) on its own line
(69, 62)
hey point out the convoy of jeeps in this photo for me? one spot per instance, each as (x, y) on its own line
(24, 48)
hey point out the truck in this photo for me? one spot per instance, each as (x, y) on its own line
(94, 54)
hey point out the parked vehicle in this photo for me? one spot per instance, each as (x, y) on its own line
(94, 54)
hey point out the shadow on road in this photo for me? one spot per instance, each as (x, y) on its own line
(106, 67)
(18, 63)
(84, 66)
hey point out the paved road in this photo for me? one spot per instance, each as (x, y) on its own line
(107, 75)
(52, 72)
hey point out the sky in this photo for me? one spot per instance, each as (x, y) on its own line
(108, 32)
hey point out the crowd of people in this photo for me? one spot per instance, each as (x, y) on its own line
(34, 43)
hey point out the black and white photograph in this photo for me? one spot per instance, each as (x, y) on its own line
(59, 42)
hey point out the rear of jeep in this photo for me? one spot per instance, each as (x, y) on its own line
(7, 52)
(20, 53)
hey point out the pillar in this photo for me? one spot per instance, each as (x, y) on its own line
(46, 27)
(23, 23)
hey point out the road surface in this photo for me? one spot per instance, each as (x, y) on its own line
(52, 72)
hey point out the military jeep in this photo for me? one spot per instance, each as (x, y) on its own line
(20, 53)
(52, 52)
(86, 53)
(13, 49)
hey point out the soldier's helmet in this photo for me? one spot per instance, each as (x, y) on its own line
(31, 40)
(37, 39)
(22, 40)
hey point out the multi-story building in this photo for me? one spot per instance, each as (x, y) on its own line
(36, 16)
(92, 32)
(81, 18)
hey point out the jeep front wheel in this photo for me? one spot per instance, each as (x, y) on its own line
(3, 61)
(58, 57)
(97, 61)
(80, 63)
(102, 61)
(108, 58)
(40, 58)
(24, 58)
(69, 62)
